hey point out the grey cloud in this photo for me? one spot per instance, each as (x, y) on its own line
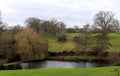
(72, 12)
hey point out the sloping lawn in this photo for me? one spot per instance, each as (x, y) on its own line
(115, 41)
(55, 46)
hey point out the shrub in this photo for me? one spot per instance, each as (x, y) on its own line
(114, 58)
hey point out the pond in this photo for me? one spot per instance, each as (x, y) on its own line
(60, 64)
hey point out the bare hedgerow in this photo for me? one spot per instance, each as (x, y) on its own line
(114, 58)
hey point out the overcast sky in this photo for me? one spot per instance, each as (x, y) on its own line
(71, 12)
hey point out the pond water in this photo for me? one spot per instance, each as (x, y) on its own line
(60, 64)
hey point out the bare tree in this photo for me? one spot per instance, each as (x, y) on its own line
(2, 25)
(34, 23)
(0, 18)
(117, 26)
(47, 27)
(83, 41)
(102, 44)
(61, 32)
(86, 39)
(77, 30)
(105, 20)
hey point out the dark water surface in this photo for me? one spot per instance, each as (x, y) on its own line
(60, 64)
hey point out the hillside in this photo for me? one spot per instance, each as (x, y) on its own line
(55, 46)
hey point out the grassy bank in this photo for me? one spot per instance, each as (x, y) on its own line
(102, 71)
(55, 46)
(75, 58)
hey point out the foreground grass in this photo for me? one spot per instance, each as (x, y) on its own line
(103, 71)
(55, 46)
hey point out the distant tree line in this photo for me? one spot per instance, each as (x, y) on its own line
(28, 43)
(45, 27)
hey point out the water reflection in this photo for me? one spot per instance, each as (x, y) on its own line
(60, 64)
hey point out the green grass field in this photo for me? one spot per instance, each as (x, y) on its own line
(115, 41)
(102, 71)
(55, 46)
